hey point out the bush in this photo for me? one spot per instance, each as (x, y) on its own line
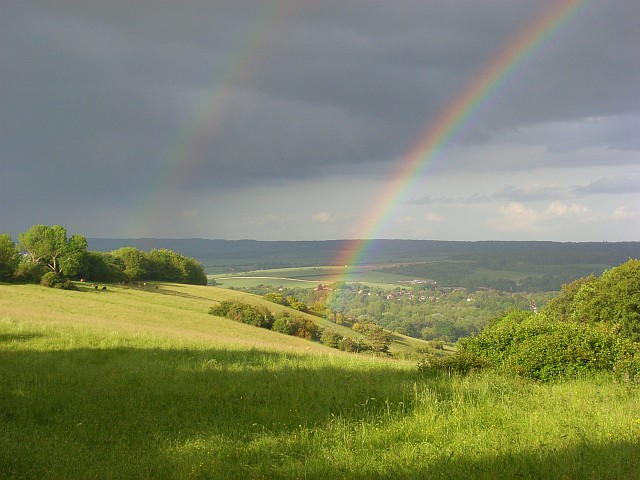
(50, 279)
(330, 338)
(353, 345)
(627, 366)
(537, 347)
(244, 313)
(459, 362)
(29, 272)
(296, 326)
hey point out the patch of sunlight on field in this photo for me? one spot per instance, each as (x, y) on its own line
(310, 277)
(171, 310)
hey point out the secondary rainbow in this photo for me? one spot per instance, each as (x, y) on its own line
(188, 151)
(452, 119)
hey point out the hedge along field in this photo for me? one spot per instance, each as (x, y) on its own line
(80, 399)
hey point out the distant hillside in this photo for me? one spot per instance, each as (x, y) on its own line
(252, 254)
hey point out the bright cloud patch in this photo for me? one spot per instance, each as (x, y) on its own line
(516, 217)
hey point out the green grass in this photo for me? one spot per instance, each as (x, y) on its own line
(141, 384)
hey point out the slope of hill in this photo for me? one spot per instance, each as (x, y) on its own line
(143, 383)
(166, 309)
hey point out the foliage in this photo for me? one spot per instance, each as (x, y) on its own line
(29, 272)
(460, 362)
(296, 326)
(9, 258)
(627, 366)
(104, 267)
(257, 316)
(136, 262)
(50, 279)
(161, 265)
(75, 258)
(380, 339)
(613, 298)
(275, 298)
(50, 246)
(170, 266)
(593, 325)
(288, 301)
(424, 312)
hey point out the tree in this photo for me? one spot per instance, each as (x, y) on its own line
(50, 246)
(9, 258)
(169, 266)
(136, 262)
(75, 258)
(104, 267)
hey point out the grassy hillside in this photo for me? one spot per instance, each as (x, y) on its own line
(169, 309)
(135, 383)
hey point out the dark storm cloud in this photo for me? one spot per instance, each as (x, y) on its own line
(97, 96)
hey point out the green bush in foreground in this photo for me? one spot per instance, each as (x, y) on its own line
(539, 348)
(592, 326)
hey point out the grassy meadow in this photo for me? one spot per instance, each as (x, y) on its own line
(143, 383)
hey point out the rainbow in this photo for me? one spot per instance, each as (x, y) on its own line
(451, 120)
(186, 152)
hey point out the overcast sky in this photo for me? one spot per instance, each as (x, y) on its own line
(286, 120)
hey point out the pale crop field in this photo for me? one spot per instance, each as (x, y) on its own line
(142, 384)
(310, 277)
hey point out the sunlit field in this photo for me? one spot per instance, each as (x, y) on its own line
(310, 277)
(141, 384)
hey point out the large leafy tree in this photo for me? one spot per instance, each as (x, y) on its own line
(136, 262)
(51, 247)
(9, 258)
(170, 266)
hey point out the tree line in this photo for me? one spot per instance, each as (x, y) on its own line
(46, 254)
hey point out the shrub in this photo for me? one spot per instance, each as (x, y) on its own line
(244, 313)
(460, 362)
(296, 326)
(353, 345)
(627, 366)
(50, 279)
(380, 339)
(29, 272)
(275, 298)
(330, 338)
(537, 347)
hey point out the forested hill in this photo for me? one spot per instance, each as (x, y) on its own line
(252, 254)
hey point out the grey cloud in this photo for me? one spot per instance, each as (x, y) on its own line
(613, 185)
(529, 193)
(98, 97)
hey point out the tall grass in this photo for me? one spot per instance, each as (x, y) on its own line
(135, 384)
(74, 404)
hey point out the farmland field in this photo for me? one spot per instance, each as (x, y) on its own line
(311, 277)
